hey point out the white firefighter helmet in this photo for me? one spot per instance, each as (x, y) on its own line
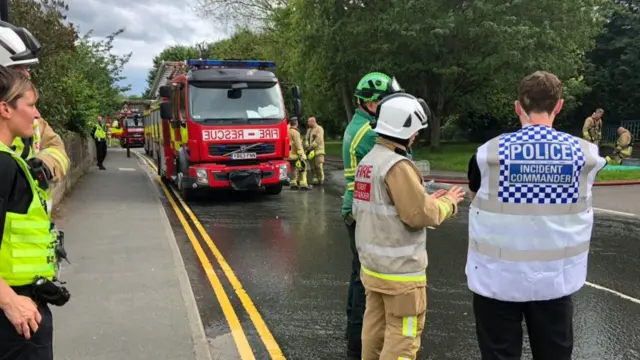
(401, 115)
(17, 46)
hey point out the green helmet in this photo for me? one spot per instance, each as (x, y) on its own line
(374, 86)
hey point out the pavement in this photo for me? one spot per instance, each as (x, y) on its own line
(268, 276)
(130, 294)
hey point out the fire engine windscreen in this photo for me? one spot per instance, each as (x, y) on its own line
(228, 101)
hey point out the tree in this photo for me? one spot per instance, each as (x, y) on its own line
(93, 79)
(77, 77)
(614, 72)
(461, 56)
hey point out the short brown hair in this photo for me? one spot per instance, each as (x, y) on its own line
(540, 92)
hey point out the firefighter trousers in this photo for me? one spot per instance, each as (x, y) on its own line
(298, 176)
(617, 158)
(393, 325)
(317, 168)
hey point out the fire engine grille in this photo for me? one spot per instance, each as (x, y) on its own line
(258, 148)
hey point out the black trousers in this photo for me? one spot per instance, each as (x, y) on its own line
(356, 301)
(499, 328)
(15, 347)
(101, 151)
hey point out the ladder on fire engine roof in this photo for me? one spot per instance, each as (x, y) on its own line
(166, 71)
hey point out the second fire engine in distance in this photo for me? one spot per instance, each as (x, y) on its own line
(223, 125)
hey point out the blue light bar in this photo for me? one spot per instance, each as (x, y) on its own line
(232, 63)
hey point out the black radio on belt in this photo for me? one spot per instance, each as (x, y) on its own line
(47, 291)
(40, 172)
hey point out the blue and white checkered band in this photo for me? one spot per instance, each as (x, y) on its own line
(539, 165)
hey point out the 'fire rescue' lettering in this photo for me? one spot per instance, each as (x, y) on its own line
(362, 186)
(240, 134)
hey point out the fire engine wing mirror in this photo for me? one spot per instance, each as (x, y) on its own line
(297, 108)
(295, 91)
(166, 111)
(165, 92)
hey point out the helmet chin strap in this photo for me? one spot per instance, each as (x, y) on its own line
(363, 106)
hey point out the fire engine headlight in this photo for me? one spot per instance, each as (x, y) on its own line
(283, 172)
(202, 177)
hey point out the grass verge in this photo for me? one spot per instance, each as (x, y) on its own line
(455, 157)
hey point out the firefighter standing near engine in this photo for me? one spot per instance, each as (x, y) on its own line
(624, 147)
(297, 158)
(44, 151)
(314, 144)
(592, 129)
(29, 248)
(358, 140)
(392, 211)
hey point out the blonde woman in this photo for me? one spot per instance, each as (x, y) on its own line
(26, 325)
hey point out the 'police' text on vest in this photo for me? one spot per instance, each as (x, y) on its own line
(541, 163)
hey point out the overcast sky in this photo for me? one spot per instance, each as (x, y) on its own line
(150, 26)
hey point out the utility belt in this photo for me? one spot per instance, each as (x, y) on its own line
(349, 220)
(45, 291)
(48, 291)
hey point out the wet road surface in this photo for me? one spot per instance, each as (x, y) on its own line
(291, 255)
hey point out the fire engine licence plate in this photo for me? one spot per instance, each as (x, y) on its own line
(243, 156)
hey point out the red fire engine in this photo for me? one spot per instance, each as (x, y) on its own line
(222, 124)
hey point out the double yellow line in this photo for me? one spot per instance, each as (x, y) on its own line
(246, 353)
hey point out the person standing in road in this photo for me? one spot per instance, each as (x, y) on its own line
(45, 149)
(314, 144)
(392, 210)
(592, 128)
(26, 324)
(530, 225)
(99, 135)
(297, 158)
(358, 140)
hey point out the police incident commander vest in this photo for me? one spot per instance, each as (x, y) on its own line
(531, 220)
(388, 248)
(28, 247)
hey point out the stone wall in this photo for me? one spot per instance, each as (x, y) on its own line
(81, 152)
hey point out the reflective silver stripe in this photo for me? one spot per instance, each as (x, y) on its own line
(390, 251)
(497, 252)
(497, 206)
(493, 204)
(369, 207)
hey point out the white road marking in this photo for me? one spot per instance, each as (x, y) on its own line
(126, 169)
(613, 212)
(616, 293)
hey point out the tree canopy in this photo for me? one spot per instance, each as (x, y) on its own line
(77, 78)
(464, 57)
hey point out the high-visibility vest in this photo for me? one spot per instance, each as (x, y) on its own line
(100, 133)
(388, 248)
(27, 148)
(531, 220)
(28, 245)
